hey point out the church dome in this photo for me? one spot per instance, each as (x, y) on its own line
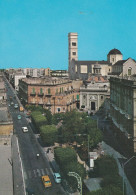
(114, 52)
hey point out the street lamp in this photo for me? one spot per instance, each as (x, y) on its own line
(123, 165)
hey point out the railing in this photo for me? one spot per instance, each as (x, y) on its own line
(33, 93)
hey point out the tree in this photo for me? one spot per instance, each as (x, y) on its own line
(72, 124)
(38, 119)
(48, 116)
(67, 161)
(48, 134)
(65, 155)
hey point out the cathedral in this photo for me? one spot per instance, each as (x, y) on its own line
(82, 69)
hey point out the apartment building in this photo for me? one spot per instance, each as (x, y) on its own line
(55, 94)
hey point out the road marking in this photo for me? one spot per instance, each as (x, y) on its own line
(35, 173)
(51, 171)
(39, 173)
(42, 171)
(47, 171)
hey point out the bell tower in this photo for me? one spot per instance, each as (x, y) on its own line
(72, 47)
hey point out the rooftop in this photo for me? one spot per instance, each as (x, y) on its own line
(114, 51)
(92, 62)
(46, 81)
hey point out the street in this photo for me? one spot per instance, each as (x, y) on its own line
(33, 168)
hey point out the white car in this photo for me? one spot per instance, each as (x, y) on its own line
(16, 106)
(24, 129)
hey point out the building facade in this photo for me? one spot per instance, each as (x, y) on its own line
(94, 93)
(6, 122)
(124, 67)
(59, 73)
(123, 107)
(16, 79)
(57, 95)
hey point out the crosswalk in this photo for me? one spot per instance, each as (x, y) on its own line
(15, 111)
(37, 173)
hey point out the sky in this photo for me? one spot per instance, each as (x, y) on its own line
(34, 33)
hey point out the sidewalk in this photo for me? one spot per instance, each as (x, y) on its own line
(18, 184)
(6, 177)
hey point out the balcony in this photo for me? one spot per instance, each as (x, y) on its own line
(48, 95)
(32, 93)
(48, 104)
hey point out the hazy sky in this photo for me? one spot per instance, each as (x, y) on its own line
(34, 33)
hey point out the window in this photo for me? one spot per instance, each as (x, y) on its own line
(33, 90)
(49, 91)
(101, 97)
(83, 68)
(113, 59)
(58, 109)
(56, 91)
(74, 53)
(41, 91)
(77, 97)
(73, 43)
(129, 71)
(75, 68)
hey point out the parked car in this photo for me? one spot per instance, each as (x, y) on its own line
(57, 177)
(19, 117)
(16, 106)
(24, 129)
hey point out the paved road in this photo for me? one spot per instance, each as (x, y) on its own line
(33, 168)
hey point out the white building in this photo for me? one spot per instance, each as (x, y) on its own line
(17, 77)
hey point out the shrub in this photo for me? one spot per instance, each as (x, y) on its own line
(48, 134)
(38, 119)
(65, 155)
